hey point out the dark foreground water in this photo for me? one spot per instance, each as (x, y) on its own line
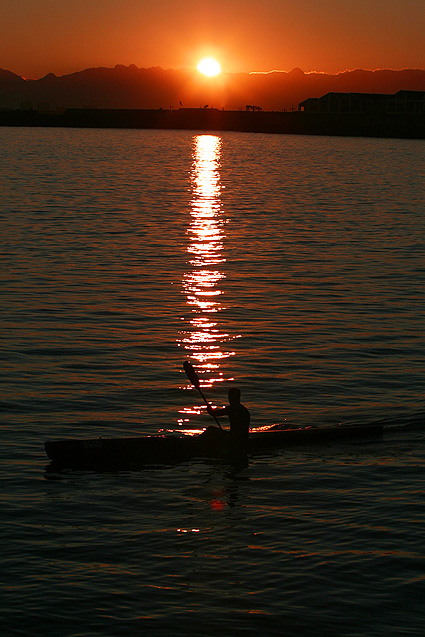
(293, 265)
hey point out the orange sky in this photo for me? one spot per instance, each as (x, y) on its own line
(62, 36)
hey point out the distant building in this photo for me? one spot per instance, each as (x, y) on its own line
(43, 107)
(401, 102)
(407, 102)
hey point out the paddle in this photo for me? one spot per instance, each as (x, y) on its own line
(193, 377)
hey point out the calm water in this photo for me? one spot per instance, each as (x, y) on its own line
(293, 266)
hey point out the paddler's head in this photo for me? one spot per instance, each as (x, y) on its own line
(234, 396)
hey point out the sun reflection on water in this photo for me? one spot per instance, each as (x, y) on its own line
(206, 344)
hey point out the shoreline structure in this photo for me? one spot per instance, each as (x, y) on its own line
(398, 125)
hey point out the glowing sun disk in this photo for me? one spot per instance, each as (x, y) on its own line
(209, 67)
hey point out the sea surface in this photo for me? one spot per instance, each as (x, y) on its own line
(291, 266)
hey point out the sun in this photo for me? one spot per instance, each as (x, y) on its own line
(209, 67)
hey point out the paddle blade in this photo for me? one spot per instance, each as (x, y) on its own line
(191, 374)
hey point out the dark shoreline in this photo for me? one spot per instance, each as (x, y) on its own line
(406, 126)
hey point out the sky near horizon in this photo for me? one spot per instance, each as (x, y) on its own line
(63, 36)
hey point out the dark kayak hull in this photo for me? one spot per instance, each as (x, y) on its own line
(112, 453)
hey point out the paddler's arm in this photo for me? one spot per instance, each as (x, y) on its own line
(217, 411)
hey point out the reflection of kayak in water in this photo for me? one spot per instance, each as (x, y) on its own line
(117, 453)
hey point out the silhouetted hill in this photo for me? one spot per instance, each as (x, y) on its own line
(130, 87)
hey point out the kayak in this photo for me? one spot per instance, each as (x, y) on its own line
(133, 452)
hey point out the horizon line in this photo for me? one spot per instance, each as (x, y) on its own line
(193, 69)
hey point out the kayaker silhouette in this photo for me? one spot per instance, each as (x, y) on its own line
(235, 441)
(239, 419)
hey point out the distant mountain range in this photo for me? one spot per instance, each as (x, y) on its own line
(153, 88)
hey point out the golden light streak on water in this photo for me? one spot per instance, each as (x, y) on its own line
(205, 343)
